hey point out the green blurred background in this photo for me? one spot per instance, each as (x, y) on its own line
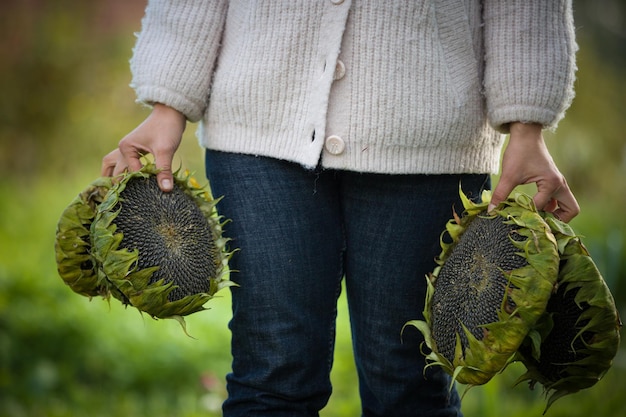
(65, 102)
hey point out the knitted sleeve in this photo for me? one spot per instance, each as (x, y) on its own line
(529, 61)
(175, 53)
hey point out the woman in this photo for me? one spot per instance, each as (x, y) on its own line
(338, 132)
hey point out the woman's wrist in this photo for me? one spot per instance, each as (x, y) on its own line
(162, 110)
(525, 130)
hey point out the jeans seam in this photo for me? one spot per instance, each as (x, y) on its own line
(333, 327)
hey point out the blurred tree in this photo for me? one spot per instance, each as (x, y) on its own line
(603, 24)
(56, 56)
(50, 51)
(590, 146)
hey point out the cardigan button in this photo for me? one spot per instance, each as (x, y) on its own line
(334, 145)
(340, 70)
(336, 2)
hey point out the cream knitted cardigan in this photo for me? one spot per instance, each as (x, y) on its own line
(420, 86)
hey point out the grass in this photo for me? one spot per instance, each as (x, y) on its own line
(64, 355)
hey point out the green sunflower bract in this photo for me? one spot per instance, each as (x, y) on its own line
(162, 253)
(518, 285)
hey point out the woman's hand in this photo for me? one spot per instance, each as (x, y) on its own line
(526, 160)
(160, 135)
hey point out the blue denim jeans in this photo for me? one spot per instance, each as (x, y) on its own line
(300, 232)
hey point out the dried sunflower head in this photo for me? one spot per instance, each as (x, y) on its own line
(495, 275)
(162, 253)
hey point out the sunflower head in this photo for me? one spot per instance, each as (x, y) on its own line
(162, 253)
(494, 277)
(518, 285)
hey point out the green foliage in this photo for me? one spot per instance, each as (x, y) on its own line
(66, 102)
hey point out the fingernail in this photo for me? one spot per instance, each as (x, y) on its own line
(490, 208)
(166, 184)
